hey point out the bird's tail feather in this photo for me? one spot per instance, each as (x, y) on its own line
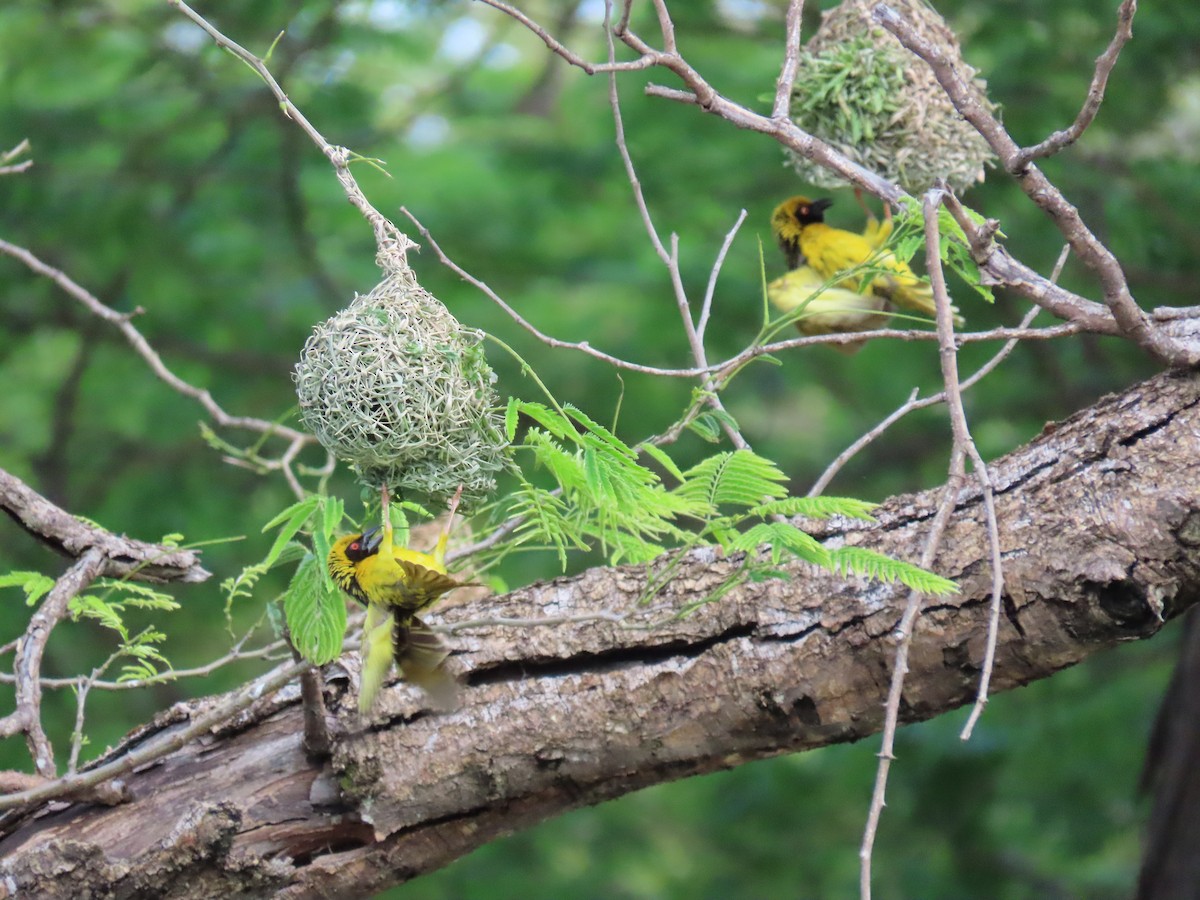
(376, 653)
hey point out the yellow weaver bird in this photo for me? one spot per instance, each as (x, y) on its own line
(834, 310)
(394, 584)
(799, 226)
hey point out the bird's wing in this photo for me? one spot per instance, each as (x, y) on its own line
(420, 654)
(420, 585)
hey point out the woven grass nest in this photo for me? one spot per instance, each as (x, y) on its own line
(395, 386)
(862, 92)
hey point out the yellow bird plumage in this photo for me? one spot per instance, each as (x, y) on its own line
(834, 310)
(799, 227)
(875, 232)
(394, 584)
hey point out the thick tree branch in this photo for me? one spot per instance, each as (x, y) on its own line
(1098, 520)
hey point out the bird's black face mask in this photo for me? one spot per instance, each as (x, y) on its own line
(366, 545)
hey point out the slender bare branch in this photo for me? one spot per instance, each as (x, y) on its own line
(581, 346)
(903, 636)
(1095, 95)
(964, 446)
(388, 238)
(9, 155)
(565, 52)
(711, 287)
(791, 61)
(27, 666)
(121, 321)
(913, 403)
(670, 259)
(962, 434)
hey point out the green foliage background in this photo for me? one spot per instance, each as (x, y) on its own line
(166, 180)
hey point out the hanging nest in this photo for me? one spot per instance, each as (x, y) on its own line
(862, 92)
(395, 386)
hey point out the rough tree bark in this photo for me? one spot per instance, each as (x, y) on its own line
(1100, 525)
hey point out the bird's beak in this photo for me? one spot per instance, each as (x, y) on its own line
(820, 205)
(371, 540)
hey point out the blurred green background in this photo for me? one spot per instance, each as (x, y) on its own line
(166, 179)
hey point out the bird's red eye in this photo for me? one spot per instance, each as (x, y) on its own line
(355, 545)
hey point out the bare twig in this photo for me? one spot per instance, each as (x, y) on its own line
(791, 61)
(581, 346)
(670, 259)
(388, 238)
(962, 435)
(81, 696)
(964, 446)
(913, 403)
(28, 663)
(711, 287)
(1017, 334)
(565, 52)
(1095, 95)
(234, 655)
(121, 321)
(9, 155)
(904, 632)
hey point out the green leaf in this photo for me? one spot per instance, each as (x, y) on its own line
(293, 519)
(333, 510)
(316, 616)
(89, 606)
(597, 475)
(511, 413)
(565, 467)
(815, 507)
(305, 506)
(545, 518)
(872, 564)
(34, 584)
(707, 427)
(330, 516)
(784, 538)
(131, 593)
(597, 430)
(549, 419)
(659, 455)
(740, 478)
